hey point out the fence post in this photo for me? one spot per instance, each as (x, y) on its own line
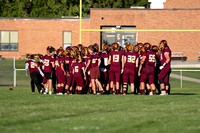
(14, 71)
(181, 74)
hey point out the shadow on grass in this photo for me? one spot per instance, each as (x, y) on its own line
(183, 94)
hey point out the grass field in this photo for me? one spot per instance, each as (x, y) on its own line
(22, 111)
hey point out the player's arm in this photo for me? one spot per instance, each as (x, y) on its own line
(123, 61)
(136, 63)
(99, 62)
(141, 63)
(62, 68)
(166, 54)
(26, 67)
(109, 60)
(88, 63)
(155, 63)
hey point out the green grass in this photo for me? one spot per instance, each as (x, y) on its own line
(22, 111)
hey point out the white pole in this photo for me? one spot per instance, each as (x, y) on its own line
(181, 78)
(14, 71)
(136, 37)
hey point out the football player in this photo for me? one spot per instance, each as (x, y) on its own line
(69, 74)
(34, 71)
(103, 67)
(85, 58)
(165, 59)
(94, 63)
(149, 61)
(115, 59)
(60, 71)
(78, 69)
(48, 61)
(130, 66)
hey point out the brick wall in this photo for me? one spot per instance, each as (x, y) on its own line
(187, 42)
(182, 4)
(36, 35)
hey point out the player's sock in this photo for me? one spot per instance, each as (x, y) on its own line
(111, 90)
(149, 90)
(89, 89)
(57, 90)
(61, 89)
(65, 91)
(46, 90)
(70, 91)
(79, 92)
(117, 91)
(167, 91)
(50, 92)
(154, 92)
(132, 92)
(124, 91)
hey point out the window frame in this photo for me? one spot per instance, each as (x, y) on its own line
(63, 38)
(9, 43)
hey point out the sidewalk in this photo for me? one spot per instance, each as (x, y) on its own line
(185, 64)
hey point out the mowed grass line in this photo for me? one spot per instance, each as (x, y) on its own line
(22, 111)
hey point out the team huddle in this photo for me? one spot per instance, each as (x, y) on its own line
(87, 70)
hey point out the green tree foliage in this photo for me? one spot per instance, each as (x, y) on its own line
(58, 8)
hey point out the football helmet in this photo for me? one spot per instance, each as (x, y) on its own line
(60, 52)
(110, 48)
(129, 47)
(84, 51)
(67, 50)
(73, 53)
(80, 47)
(163, 44)
(48, 49)
(147, 46)
(115, 46)
(96, 47)
(136, 48)
(75, 49)
(155, 48)
(78, 58)
(140, 45)
(105, 47)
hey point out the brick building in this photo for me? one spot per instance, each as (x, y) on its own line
(20, 36)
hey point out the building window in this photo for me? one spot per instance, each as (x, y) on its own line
(8, 40)
(67, 39)
(119, 37)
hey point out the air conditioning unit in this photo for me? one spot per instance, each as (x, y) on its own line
(157, 4)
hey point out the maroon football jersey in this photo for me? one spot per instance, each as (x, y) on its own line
(116, 57)
(58, 62)
(162, 56)
(71, 61)
(48, 60)
(103, 56)
(131, 58)
(77, 67)
(150, 59)
(85, 60)
(94, 59)
(32, 66)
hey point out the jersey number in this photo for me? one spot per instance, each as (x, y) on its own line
(94, 61)
(115, 58)
(151, 58)
(33, 64)
(46, 62)
(131, 59)
(76, 69)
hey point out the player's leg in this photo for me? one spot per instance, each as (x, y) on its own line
(49, 82)
(161, 78)
(142, 83)
(132, 81)
(35, 79)
(32, 86)
(166, 81)
(99, 85)
(93, 86)
(117, 78)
